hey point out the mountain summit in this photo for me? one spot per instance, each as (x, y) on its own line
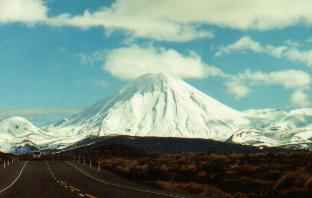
(158, 105)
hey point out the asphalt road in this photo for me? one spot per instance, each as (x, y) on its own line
(8, 173)
(56, 179)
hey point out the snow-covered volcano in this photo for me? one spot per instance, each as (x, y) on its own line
(157, 105)
(164, 106)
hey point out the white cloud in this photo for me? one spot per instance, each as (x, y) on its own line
(292, 43)
(243, 44)
(289, 51)
(176, 17)
(300, 99)
(300, 56)
(174, 20)
(237, 89)
(121, 15)
(292, 79)
(299, 81)
(25, 11)
(137, 25)
(131, 62)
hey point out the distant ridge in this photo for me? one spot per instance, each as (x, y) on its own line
(18, 131)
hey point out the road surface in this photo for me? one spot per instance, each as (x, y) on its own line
(56, 179)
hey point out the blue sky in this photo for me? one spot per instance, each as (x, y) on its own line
(59, 57)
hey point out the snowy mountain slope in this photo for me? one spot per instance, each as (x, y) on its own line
(298, 123)
(17, 131)
(280, 119)
(157, 105)
(250, 136)
(292, 127)
(296, 119)
(263, 118)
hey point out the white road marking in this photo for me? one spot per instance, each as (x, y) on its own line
(90, 196)
(67, 186)
(15, 180)
(51, 172)
(125, 187)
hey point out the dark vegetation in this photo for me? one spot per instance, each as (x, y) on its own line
(6, 158)
(194, 166)
(202, 167)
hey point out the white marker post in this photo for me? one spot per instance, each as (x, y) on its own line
(98, 167)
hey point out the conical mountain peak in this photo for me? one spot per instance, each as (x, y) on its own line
(158, 105)
(150, 82)
(156, 77)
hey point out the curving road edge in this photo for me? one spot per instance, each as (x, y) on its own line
(122, 186)
(15, 180)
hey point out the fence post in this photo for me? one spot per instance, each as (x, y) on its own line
(98, 167)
